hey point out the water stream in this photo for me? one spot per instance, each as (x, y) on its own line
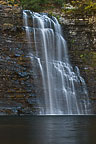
(64, 90)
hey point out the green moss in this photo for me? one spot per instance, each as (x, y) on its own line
(72, 41)
(86, 57)
(57, 16)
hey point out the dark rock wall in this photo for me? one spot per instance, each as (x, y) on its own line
(81, 39)
(17, 87)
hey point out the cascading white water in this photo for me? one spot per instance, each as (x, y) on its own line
(64, 91)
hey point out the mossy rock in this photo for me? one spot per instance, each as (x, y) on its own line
(86, 57)
(7, 26)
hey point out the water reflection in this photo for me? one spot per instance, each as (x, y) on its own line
(48, 130)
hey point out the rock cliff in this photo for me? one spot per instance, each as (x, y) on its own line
(17, 88)
(80, 33)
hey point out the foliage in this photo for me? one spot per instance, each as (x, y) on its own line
(84, 6)
(59, 2)
(13, 2)
(38, 5)
(81, 6)
(35, 5)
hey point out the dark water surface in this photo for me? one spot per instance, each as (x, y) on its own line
(48, 130)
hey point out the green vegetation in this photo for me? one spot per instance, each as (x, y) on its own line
(80, 6)
(86, 57)
(39, 5)
(59, 2)
(75, 6)
(13, 2)
(35, 5)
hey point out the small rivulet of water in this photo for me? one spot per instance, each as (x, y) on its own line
(63, 89)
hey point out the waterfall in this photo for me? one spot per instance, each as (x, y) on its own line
(63, 89)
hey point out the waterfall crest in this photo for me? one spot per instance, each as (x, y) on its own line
(63, 89)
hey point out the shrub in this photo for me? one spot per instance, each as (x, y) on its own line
(59, 2)
(35, 5)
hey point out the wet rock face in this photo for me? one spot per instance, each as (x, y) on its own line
(17, 88)
(18, 92)
(81, 39)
